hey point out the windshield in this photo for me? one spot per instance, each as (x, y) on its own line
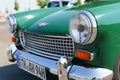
(53, 4)
(64, 3)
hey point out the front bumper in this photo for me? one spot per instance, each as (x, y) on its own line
(69, 72)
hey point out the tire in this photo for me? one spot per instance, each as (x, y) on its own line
(117, 69)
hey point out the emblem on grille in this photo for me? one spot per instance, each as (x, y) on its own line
(42, 24)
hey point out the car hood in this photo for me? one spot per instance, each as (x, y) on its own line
(55, 21)
(28, 18)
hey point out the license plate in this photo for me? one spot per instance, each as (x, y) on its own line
(33, 68)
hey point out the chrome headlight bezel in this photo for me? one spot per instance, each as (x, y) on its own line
(83, 27)
(11, 23)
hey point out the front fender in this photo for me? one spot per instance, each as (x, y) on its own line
(108, 39)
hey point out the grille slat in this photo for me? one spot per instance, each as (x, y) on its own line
(35, 51)
(48, 46)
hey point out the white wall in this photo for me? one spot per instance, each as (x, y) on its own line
(23, 4)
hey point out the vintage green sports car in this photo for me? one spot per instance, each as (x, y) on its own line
(78, 43)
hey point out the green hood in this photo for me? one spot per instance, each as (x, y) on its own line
(55, 20)
(28, 18)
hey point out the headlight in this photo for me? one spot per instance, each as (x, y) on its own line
(11, 23)
(83, 28)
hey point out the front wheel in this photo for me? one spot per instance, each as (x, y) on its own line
(117, 69)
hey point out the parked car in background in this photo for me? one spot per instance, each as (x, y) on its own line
(57, 3)
(78, 43)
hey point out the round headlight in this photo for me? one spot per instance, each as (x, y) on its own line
(83, 28)
(11, 23)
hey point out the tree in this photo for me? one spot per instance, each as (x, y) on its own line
(78, 2)
(6, 11)
(16, 5)
(42, 3)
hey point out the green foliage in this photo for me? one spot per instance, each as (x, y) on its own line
(6, 11)
(42, 3)
(16, 5)
(78, 2)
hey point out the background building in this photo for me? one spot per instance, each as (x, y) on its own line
(8, 5)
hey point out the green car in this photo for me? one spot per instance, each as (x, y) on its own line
(77, 43)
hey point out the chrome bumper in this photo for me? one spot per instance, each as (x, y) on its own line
(63, 68)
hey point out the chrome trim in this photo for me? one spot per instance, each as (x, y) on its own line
(12, 48)
(82, 73)
(12, 23)
(75, 72)
(47, 45)
(64, 65)
(51, 65)
(10, 52)
(42, 24)
(22, 39)
(93, 27)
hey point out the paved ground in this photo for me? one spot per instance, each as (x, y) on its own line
(8, 70)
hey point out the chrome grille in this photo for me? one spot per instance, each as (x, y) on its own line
(48, 46)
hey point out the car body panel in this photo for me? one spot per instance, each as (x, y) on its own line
(30, 17)
(58, 24)
(108, 37)
(107, 40)
(61, 17)
(55, 22)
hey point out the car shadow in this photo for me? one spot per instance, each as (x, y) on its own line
(12, 72)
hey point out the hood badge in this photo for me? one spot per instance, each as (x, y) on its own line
(42, 24)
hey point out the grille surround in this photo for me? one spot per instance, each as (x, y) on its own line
(49, 46)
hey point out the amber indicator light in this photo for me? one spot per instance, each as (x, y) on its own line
(14, 40)
(84, 55)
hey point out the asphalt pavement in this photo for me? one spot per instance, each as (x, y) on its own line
(9, 70)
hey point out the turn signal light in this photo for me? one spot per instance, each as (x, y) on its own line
(84, 55)
(14, 40)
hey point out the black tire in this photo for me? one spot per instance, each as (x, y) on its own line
(117, 69)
